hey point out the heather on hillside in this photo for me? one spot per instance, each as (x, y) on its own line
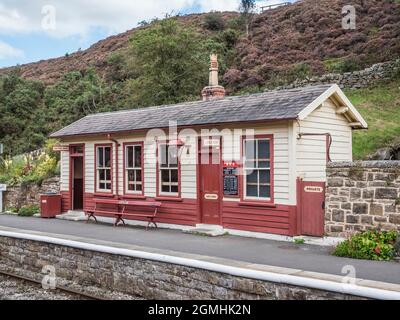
(166, 61)
(288, 42)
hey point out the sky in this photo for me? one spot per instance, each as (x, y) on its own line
(32, 30)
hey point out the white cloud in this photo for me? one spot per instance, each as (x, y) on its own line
(78, 17)
(7, 51)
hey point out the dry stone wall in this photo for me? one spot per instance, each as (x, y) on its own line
(95, 272)
(362, 196)
(353, 80)
(29, 194)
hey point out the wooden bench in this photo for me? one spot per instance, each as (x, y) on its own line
(120, 215)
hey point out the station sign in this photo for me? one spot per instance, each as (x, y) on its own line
(208, 142)
(59, 148)
(311, 189)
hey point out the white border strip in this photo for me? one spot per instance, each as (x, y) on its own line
(343, 288)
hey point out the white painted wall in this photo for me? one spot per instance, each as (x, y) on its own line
(231, 151)
(64, 171)
(311, 151)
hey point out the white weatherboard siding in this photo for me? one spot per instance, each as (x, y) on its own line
(280, 131)
(311, 150)
(231, 151)
(64, 171)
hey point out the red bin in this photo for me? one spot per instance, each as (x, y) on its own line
(50, 205)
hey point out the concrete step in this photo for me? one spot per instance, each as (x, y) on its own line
(207, 230)
(73, 216)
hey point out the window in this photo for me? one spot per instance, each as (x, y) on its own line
(168, 169)
(133, 169)
(103, 168)
(257, 167)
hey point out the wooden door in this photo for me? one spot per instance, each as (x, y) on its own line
(77, 183)
(312, 208)
(210, 185)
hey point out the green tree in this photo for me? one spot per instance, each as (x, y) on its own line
(20, 100)
(75, 96)
(169, 64)
(247, 8)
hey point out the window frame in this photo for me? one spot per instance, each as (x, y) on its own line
(125, 169)
(160, 193)
(96, 169)
(243, 189)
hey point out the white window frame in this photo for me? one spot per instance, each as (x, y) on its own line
(103, 168)
(134, 168)
(246, 169)
(170, 169)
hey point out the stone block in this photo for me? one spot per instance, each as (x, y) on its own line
(335, 182)
(355, 194)
(395, 219)
(368, 194)
(386, 193)
(338, 215)
(360, 208)
(390, 209)
(380, 219)
(376, 209)
(337, 229)
(367, 220)
(346, 206)
(352, 219)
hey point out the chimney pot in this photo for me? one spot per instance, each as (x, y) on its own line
(213, 91)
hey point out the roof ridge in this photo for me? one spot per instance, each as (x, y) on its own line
(227, 98)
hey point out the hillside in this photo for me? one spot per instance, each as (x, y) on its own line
(166, 61)
(297, 40)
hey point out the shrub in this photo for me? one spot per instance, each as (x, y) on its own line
(369, 245)
(214, 22)
(12, 210)
(28, 211)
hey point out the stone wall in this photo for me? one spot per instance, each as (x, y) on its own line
(362, 196)
(22, 195)
(98, 273)
(353, 80)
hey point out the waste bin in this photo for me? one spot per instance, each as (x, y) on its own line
(50, 205)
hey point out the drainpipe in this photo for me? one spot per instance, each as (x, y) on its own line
(116, 164)
(329, 140)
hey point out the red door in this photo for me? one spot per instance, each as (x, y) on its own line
(312, 208)
(210, 188)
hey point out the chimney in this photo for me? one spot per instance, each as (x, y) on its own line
(213, 91)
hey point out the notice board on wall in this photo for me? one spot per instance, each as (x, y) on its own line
(231, 181)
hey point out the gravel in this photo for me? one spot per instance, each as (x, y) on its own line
(15, 289)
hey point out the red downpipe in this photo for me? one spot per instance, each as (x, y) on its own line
(329, 141)
(116, 164)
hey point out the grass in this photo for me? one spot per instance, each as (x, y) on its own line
(299, 241)
(380, 107)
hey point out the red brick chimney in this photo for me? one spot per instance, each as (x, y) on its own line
(213, 91)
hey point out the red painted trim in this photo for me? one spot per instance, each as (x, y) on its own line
(71, 157)
(256, 204)
(299, 213)
(172, 199)
(104, 193)
(125, 193)
(241, 180)
(159, 194)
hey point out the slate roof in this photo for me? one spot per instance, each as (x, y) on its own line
(272, 105)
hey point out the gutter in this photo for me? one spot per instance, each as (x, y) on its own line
(343, 288)
(116, 164)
